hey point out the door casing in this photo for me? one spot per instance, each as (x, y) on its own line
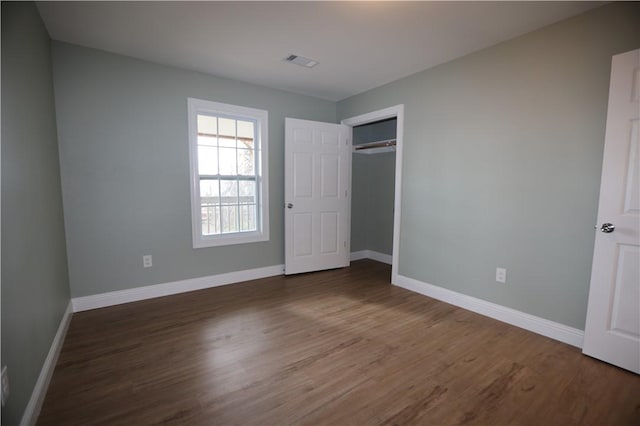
(396, 111)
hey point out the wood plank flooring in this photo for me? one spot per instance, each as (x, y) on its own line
(340, 347)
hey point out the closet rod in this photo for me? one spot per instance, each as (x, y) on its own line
(377, 144)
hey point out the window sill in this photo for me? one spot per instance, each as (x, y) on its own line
(229, 239)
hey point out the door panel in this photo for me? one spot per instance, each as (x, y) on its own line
(329, 232)
(303, 235)
(612, 331)
(632, 195)
(317, 183)
(303, 175)
(330, 170)
(329, 137)
(625, 312)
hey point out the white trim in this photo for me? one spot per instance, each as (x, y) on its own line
(34, 405)
(158, 290)
(370, 117)
(370, 254)
(261, 118)
(554, 330)
(396, 111)
(358, 255)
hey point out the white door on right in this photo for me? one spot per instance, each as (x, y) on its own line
(612, 331)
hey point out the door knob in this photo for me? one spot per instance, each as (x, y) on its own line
(607, 228)
(289, 205)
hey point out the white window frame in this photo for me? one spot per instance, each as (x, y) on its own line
(261, 118)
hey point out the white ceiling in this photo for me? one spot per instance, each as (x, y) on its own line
(360, 45)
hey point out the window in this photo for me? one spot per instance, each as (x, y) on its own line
(228, 154)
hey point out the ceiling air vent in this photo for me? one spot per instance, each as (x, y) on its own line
(299, 60)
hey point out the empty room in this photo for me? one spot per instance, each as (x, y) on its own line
(320, 213)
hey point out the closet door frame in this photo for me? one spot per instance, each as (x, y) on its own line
(396, 112)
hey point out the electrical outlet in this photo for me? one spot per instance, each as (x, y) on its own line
(147, 261)
(4, 388)
(501, 275)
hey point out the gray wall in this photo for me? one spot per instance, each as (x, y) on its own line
(502, 161)
(373, 180)
(360, 195)
(125, 168)
(35, 287)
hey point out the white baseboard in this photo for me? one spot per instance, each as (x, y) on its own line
(31, 412)
(370, 254)
(158, 290)
(357, 255)
(554, 330)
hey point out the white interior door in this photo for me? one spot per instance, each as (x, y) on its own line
(317, 196)
(612, 331)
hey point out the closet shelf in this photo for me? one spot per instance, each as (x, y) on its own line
(377, 147)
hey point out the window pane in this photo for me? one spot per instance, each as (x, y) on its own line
(247, 199)
(227, 141)
(207, 160)
(210, 206)
(228, 161)
(207, 124)
(210, 219)
(229, 191)
(209, 191)
(248, 217)
(246, 143)
(245, 129)
(207, 140)
(247, 191)
(227, 127)
(229, 218)
(246, 163)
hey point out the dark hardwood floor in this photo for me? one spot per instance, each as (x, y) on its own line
(340, 347)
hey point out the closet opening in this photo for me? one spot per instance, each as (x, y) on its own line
(376, 140)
